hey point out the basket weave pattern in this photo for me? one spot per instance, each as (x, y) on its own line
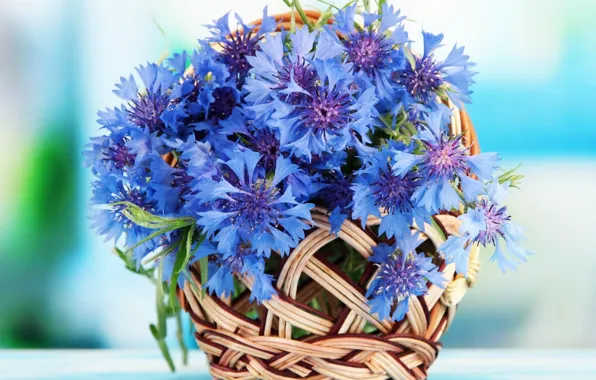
(336, 346)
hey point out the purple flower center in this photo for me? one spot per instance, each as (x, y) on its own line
(264, 142)
(495, 219)
(146, 111)
(253, 208)
(120, 156)
(223, 105)
(304, 75)
(422, 81)
(236, 49)
(400, 277)
(326, 112)
(394, 193)
(444, 159)
(368, 51)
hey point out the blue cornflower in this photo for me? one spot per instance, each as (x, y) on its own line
(380, 192)
(314, 101)
(327, 119)
(242, 261)
(256, 136)
(248, 206)
(205, 95)
(424, 79)
(145, 108)
(486, 223)
(276, 71)
(235, 47)
(403, 273)
(337, 196)
(374, 49)
(174, 185)
(109, 220)
(105, 155)
(444, 163)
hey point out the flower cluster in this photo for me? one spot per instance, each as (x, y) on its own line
(221, 153)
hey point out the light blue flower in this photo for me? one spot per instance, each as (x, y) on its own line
(374, 49)
(236, 46)
(444, 163)
(487, 223)
(403, 273)
(423, 79)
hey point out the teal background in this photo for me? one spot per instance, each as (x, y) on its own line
(60, 285)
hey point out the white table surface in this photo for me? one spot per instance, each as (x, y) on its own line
(148, 365)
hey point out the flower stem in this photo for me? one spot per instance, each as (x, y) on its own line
(180, 336)
(303, 15)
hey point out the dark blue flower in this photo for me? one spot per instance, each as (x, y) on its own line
(444, 163)
(424, 79)
(175, 183)
(205, 95)
(248, 206)
(380, 192)
(242, 261)
(403, 273)
(374, 49)
(486, 223)
(235, 47)
(107, 156)
(109, 220)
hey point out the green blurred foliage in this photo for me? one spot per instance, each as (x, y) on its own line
(41, 233)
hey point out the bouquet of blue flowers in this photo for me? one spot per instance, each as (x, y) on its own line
(225, 164)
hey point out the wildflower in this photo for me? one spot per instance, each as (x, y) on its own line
(244, 262)
(374, 49)
(380, 192)
(108, 218)
(444, 163)
(424, 78)
(403, 273)
(248, 206)
(236, 47)
(487, 223)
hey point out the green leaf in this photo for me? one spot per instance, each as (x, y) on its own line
(510, 176)
(131, 265)
(161, 307)
(204, 263)
(152, 236)
(143, 218)
(162, 253)
(154, 331)
(180, 335)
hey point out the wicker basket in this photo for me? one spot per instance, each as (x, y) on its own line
(340, 339)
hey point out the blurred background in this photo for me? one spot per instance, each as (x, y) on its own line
(60, 285)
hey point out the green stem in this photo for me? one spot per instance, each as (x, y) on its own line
(180, 336)
(303, 16)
